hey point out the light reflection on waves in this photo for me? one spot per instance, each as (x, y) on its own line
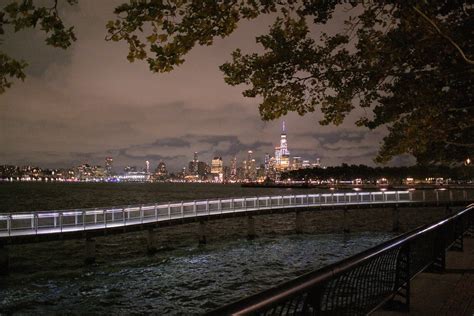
(186, 281)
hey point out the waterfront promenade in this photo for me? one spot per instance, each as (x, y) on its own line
(447, 293)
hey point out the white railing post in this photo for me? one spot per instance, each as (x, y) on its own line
(104, 212)
(245, 203)
(307, 200)
(397, 195)
(124, 218)
(33, 222)
(194, 208)
(410, 195)
(113, 215)
(156, 211)
(55, 220)
(60, 221)
(35, 216)
(84, 219)
(182, 209)
(95, 217)
(9, 224)
(232, 206)
(219, 205)
(207, 207)
(169, 210)
(141, 213)
(266, 202)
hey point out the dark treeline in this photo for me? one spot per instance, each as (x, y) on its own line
(393, 174)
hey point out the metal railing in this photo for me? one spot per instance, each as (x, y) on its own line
(362, 283)
(50, 222)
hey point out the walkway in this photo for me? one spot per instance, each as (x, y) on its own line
(40, 226)
(448, 293)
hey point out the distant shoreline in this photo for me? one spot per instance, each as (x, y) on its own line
(358, 186)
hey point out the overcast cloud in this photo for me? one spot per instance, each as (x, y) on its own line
(80, 105)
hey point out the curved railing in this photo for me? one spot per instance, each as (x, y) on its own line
(362, 283)
(51, 222)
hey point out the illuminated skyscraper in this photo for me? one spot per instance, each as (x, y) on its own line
(233, 169)
(193, 165)
(160, 172)
(217, 169)
(108, 165)
(297, 163)
(282, 154)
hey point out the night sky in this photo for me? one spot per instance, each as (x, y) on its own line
(88, 102)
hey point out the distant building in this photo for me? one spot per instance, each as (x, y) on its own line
(250, 167)
(193, 165)
(296, 163)
(108, 166)
(233, 169)
(202, 170)
(217, 169)
(147, 169)
(161, 173)
(306, 164)
(130, 169)
(282, 154)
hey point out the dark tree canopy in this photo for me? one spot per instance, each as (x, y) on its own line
(409, 64)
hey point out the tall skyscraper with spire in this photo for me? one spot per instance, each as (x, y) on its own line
(282, 154)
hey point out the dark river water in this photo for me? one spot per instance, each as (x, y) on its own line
(183, 281)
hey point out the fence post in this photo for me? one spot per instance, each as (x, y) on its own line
(156, 212)
(182, 209)
(60, 222)
(169, 210)
(9, 224)
(207, 207)
(402, 277)
(84, 219)
(124, 218)
(104, 212)
(194, 208)
(35, 215)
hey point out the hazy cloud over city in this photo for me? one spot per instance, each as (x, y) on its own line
(88, 102)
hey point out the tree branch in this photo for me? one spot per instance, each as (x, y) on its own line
(461, 52)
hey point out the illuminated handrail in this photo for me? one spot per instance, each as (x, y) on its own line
(48, 222)
(362, 283)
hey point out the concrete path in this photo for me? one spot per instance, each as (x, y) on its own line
(448, 293)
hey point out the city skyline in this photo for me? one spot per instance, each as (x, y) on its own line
(89, 102)
(109, 164)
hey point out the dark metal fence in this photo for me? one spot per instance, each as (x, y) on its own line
(362, 283)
